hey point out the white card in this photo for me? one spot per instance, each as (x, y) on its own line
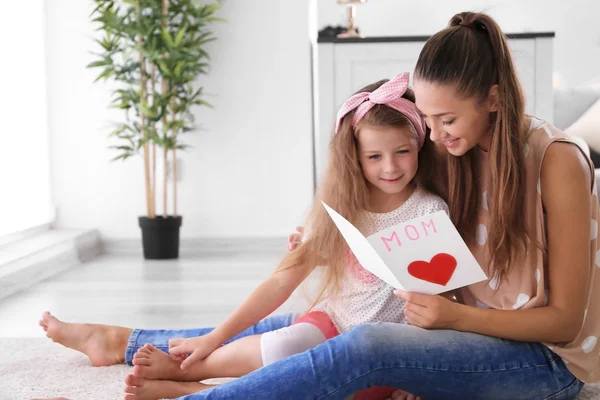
(424, 255)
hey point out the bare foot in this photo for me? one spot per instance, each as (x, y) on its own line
(152, 363)
(103, 344)
(144, 389)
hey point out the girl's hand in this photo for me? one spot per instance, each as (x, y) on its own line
(402, 395)
(191, 350)
(295, 238)
(429, 312)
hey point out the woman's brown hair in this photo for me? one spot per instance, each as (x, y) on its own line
(472, 55)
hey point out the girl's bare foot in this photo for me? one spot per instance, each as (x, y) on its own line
(103, 344)
(144, 389)
(152, 363)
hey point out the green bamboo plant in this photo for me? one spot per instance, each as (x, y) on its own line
(154, 50)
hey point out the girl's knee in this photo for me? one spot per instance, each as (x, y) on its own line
(282, 343)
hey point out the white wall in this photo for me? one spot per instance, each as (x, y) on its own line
(250, 170)
(576, 46)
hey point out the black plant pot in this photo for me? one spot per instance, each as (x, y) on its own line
(160, 237)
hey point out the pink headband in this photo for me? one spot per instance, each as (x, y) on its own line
(389, 94)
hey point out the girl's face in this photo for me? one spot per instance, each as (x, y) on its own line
(389, 159)
(456, 122)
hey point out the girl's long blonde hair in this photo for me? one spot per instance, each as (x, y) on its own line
(344, 188)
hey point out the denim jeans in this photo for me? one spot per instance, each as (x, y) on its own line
(433, 364)
(160, 338)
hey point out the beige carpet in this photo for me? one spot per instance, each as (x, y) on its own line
(39, 368)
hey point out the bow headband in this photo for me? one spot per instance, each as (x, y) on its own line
(389, 94)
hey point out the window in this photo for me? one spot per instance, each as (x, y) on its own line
(25, 194)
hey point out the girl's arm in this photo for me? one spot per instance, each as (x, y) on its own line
(262, 301)
(566, 183)
(265, 299)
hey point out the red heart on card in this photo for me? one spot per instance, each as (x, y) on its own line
(439, 270)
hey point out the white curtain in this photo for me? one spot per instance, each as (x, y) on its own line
(25, 193)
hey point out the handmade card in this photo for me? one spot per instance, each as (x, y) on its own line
(424, 255)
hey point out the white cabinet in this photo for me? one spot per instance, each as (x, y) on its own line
(344, 66)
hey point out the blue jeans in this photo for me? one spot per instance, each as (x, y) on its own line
(433, 364)
(160, 338)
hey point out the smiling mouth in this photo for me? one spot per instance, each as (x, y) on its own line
(449, 142)
(391, 180)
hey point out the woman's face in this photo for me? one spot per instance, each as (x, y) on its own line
(457, 123)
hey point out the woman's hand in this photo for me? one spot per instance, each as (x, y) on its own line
(295, 238)
(198, 349)
(429, 312)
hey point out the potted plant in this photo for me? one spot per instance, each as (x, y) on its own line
(153, 51)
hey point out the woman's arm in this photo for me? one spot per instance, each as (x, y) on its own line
(565, 183)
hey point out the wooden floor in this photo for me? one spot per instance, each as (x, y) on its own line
(128, 291)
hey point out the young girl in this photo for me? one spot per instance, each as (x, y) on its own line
(371, 179)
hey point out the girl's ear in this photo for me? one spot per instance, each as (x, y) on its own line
(493, 99)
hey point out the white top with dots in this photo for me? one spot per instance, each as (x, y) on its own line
(363, 297)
